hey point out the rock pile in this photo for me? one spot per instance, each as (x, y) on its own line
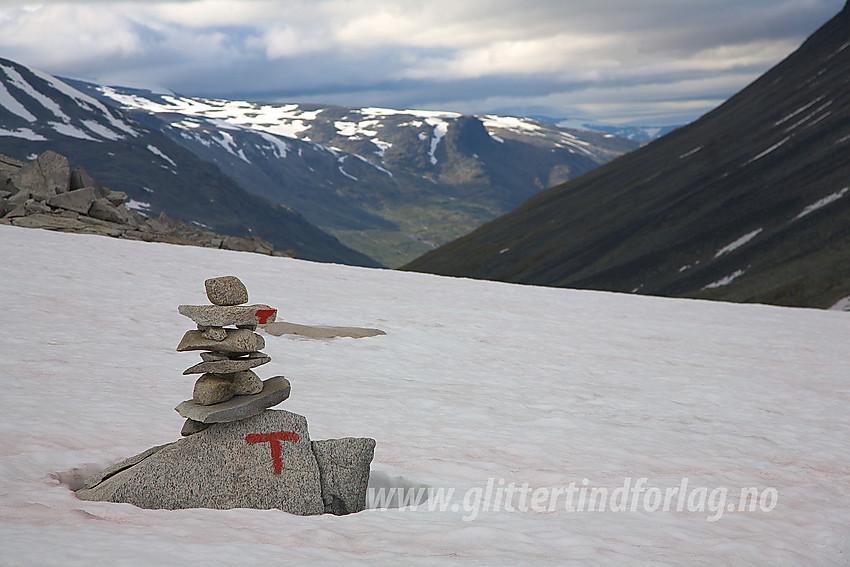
(228, 356)
(47, 193)
(235, 451)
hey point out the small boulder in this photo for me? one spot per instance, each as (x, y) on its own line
(228, 365)
(212, 356)
(190, 427)
(78, 200)
(226, 290)
(263, 462)
(212, 333)
(238, 341)
(275, 390)
(212, 389)
(344, 467)
(104, 210)
(48, 175)
(117, 198)
(16, 211)
(243, 316)
(80, 178)
(33, 207)
(246, 383)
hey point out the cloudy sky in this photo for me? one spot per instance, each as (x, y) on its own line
(643, 62)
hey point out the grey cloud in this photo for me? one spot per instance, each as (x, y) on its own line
(561, 56)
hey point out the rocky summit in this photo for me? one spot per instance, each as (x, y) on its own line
(235, 451)
(47, 193)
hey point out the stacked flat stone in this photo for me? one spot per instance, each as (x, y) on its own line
(228, 389)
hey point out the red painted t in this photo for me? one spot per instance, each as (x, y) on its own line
(274, 440)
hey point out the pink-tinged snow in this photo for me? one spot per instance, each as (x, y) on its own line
(473, 381)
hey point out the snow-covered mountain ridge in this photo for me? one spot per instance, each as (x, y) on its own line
(306, 122)
(390, 183)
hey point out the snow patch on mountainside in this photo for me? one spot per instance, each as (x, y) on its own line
(159, 153)
(284, 120)
(726, 280)
(441, 127)
(831, 198)
(70, 130)
(737, 243)
(510, 123)
(18, 81)
(769, 150)
(101, 122)
(12, 104)
(23, 133)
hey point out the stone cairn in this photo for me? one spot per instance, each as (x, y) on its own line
(228, 389)
(235, 452)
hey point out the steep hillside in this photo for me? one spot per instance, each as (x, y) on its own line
(390, 183)
(39, 113)
(749, 203)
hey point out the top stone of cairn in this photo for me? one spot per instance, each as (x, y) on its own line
(226, 290)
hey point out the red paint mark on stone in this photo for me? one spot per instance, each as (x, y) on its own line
(274, 440)
(264, 314)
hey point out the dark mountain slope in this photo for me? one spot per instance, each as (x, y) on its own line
(749, 203)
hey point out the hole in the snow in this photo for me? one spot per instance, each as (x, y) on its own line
(75, 477)
(394, 491)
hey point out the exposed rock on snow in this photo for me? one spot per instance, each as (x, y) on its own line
(344, 467)
(283, 328)
(226, 290)
(264, 462)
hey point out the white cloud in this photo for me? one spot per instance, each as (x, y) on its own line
(411, 53)
(64, 34)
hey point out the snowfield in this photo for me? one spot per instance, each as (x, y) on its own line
(476, 387)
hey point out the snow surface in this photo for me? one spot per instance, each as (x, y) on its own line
(474, 381)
